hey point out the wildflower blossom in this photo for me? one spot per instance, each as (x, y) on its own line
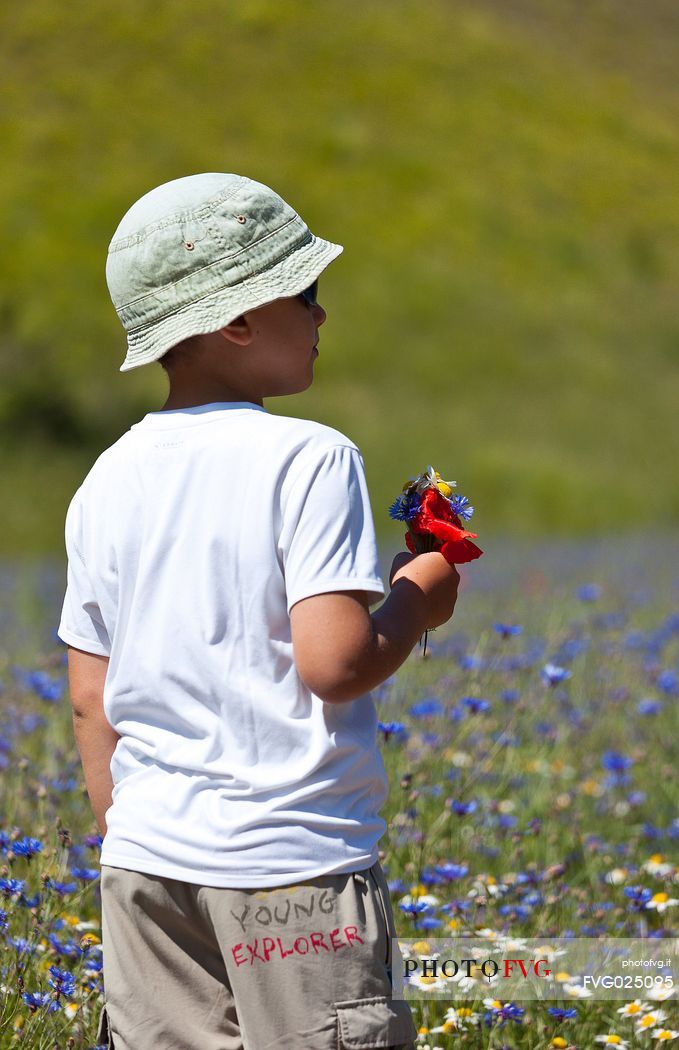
(392, 729)
(664, 1035)
(49, 689)
(405, 506)
(560, 1014)
(507, 630)
(85, 874)
(12, 887)
(37, 1000)
(649, 1020)
(648, 707)
(476, 705)
(611, 1040)
(553, 675)
(661, 902)
(428, 708)
(463, 809)
(589, 592)
(26, 847)
(461, 506)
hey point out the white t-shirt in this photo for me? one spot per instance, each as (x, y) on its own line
(188, 543)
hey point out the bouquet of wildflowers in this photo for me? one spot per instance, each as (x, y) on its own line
(434, 515)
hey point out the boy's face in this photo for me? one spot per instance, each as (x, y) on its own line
(284, 346)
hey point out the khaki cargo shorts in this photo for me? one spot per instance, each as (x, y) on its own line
(303, 967)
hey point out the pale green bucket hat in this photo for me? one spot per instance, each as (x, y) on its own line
(195, 253)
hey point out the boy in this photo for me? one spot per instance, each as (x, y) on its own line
(222, 562)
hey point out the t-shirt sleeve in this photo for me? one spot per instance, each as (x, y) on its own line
(81, 624)
(327, 539)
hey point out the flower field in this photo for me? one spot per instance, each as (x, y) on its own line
(532, 759)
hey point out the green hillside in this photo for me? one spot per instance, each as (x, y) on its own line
(504, 183)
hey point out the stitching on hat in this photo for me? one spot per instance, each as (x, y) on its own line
(217, 291)
(205, 210)
(234, 257)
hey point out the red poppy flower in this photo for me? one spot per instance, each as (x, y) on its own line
(435, 526)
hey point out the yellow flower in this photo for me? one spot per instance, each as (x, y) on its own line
(559, 1042)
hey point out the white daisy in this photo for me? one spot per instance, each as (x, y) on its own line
(661, 902)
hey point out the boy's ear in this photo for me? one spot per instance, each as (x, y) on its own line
(237, 331)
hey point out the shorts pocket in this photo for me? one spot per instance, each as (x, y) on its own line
(103, 1031)
(377, 1022)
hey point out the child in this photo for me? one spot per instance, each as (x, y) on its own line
(222, 562)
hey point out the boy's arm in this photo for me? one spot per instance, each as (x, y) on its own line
(94, 736)
(341, 651)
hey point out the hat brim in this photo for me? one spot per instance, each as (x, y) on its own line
(287, 278)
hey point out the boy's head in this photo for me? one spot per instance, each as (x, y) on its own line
(195, 255)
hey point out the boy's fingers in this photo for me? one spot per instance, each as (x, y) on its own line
(401, 559)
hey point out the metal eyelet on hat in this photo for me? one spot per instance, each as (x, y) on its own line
(241, 219)
(189, 245)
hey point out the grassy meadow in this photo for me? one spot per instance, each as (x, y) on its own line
(532, 764)
(503, 178)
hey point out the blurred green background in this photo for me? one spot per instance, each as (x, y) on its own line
(503, 177)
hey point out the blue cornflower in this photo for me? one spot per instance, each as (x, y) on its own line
(85, 874)
(68, 784)
(62, 981)
(22, 946)
(30, 722)
(93, 841)
(499, 1015)
(36, 1000)
(638, 897)
(3, 920)
(426, 708)
(589, 592)
(510, 696)
(461, 506)
(450, 871)
(415, 907)
(405, 506)
(69, 949)
(649, 706)
(470, 662)
(48, 689)
(26, 847)
(476, 705)
(559, 1014)
(507, 629)
(395, 729)
(11, 886)
(462, 809)
(61, 888)
(615, 761)
(430, 922)
(5, 841)
(668, 681)
(554, 675)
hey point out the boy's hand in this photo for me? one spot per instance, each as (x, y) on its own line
(434, 577)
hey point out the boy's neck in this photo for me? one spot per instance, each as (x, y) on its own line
(192, 397)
